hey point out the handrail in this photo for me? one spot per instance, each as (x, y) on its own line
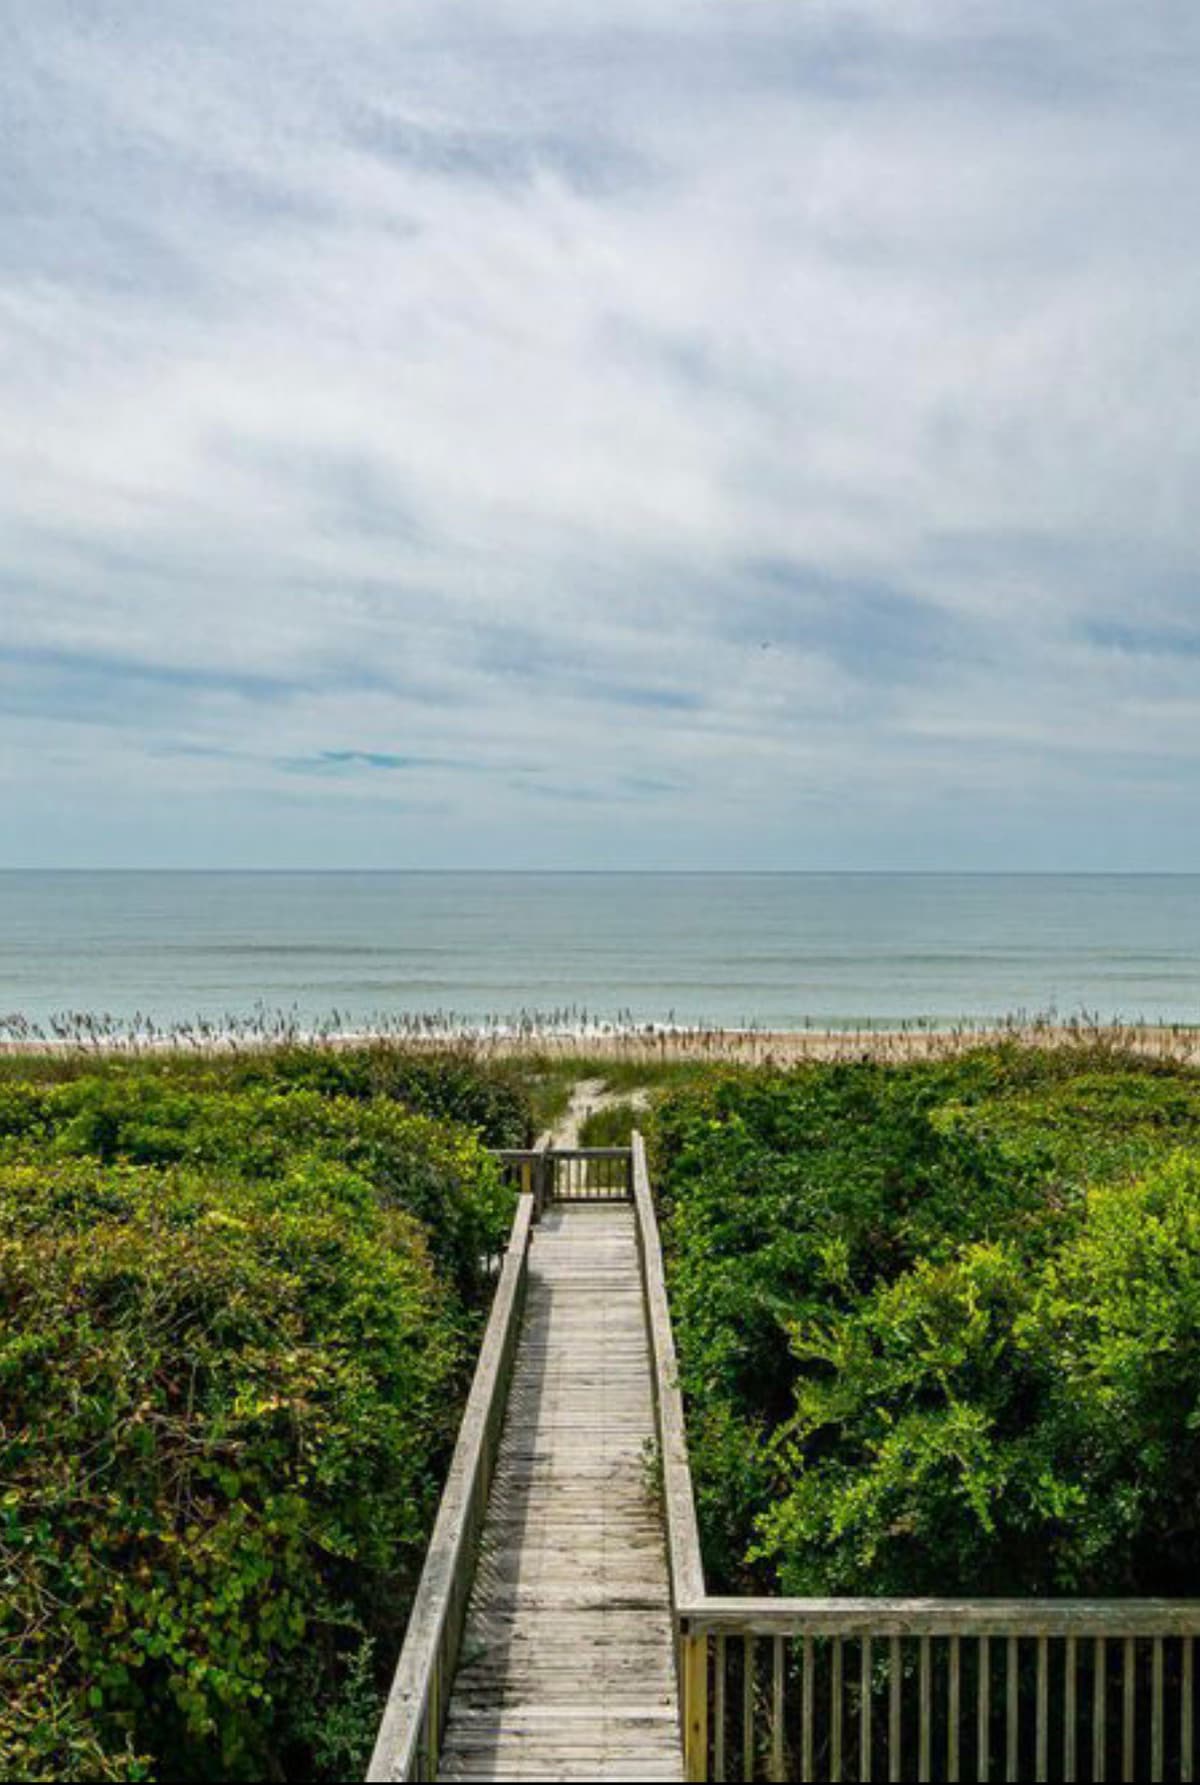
(410, 1733)
(683, 1534)
(753, 1616)
(515, 1155)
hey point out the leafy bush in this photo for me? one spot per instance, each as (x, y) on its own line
(236, 1324)
(939, 1325)
(448, 1084)
(224, 1412)
(612, 1125)
(434, 1170)
(452, 1084)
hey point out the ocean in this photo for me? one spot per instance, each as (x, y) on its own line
(731, 950)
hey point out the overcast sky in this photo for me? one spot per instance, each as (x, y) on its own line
(615, 433)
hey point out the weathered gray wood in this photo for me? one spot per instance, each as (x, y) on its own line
(945, 1617)
(566, 1668)
(954, 1711)
(925, 1718)
(895, 1732)
(683, 1535)
(412, 1713)
(1070, 1710)
(748, 1652)
(1185, 1714)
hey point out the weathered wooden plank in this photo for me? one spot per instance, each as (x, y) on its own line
(566, 1668)
(946, 1617)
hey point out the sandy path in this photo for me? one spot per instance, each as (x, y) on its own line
(587, 1096)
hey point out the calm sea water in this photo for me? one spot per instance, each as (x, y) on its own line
(731, 949)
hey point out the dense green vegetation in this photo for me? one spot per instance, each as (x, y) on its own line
(939, 1324)
(238, 1306)
(613, 1125)
(450, 1083)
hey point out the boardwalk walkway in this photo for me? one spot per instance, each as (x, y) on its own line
(566, 1666)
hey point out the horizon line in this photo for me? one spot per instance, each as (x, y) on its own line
(647, 873)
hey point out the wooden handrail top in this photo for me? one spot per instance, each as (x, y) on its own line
(752, 1616)
(400, 1730)
(683, 1533)
(523, 1153)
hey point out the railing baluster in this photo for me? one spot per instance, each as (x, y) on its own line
(1012, 1709)
(1099, 1711)
(695, 1701)
(1186, 1762)
(984, 1704)
(777, 1768)
(748, 1707)
(836, 1701)
(806, 1744)
(953, 1712)
(895, 1761)
(864, 1719)
(719, 1711)
(1069, 1712)
(925, 1726)
(1129, 1719)
(1041, 1728)
(1156, 1712)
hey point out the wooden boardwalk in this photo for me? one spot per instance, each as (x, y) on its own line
(566, 1668)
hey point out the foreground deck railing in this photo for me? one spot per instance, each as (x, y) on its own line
(924, 1689)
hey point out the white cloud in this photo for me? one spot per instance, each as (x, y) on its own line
(732, 414)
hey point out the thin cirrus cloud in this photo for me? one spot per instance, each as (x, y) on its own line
(660, 435)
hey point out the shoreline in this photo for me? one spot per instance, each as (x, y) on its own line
(651, 1044)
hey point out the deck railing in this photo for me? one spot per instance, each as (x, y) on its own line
(414, 1717)
(925, 1689)
(570, 1174)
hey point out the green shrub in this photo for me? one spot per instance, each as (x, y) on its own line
(938, 1325)
(611, 1126)
(450, 1084)
(435, 1170)
(238, 1302)
(225, 1410)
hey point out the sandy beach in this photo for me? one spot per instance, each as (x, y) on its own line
(655, 1044)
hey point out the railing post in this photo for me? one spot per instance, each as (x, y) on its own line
(695, 1706)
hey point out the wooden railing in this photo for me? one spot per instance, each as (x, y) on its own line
(589, 1174)
(414, 1717)
(937, 1689)
(570, 1174)
(923, 1689)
